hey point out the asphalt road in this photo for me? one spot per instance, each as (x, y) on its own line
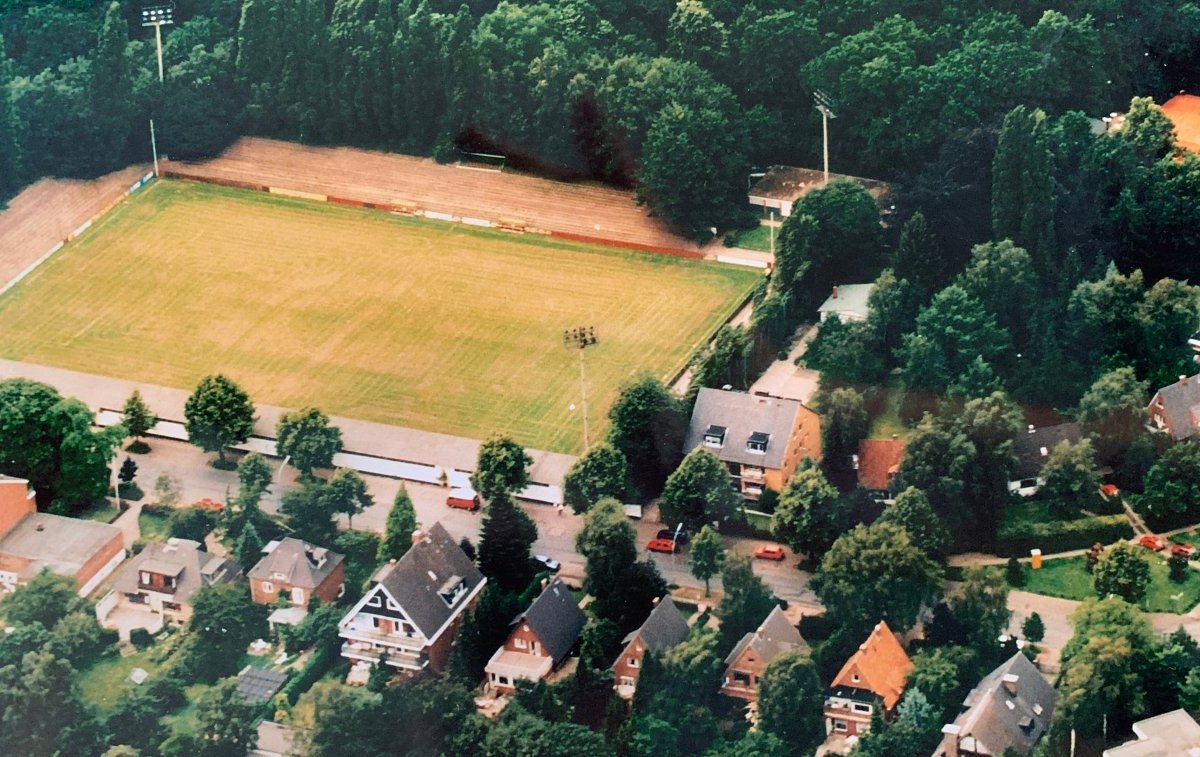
(556, 530)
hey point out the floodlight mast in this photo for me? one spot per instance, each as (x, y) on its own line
(580, 339)
(158, 16)
(823, 105)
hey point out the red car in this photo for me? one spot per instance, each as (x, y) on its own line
(1109, 490)
(1183, 550)
(770, 553)
(463, 499)
(662, 545)
(1153, 543)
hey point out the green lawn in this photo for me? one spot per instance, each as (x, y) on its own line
(398, 320)
(888, 422)
(758, 238)
(1068, 578)
(104, 682)
(153, 526)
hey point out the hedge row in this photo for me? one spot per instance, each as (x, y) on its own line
(322, 660)
(1062, 535)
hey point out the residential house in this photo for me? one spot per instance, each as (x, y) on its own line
(1004, 715)
(1184, 113)
(539, 640)
(848, 302)
(873, 678)
(1175, 408)
(749, 659)
(162, 580)
(299, 571)
(413, 610)
(663, 628)
(761, 439)
(878, 462)
(1032, 448)
(31, 542)
(1172, 734)
(781, 187)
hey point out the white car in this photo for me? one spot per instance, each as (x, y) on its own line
(548, 563)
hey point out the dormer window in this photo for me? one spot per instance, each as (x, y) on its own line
(714, 436)
(454, 588)
(758, 442)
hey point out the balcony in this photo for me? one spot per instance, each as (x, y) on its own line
(753, 475)
(398, 640)
(361, 650)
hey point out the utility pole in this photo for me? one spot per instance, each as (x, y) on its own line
(158, 16)
(823, 105)
(154, 147)
(580, 339)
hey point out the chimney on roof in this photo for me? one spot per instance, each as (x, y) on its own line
(545, 583)
(895, 436)
(417, 535)
(1010, 683)
(1031, 428)
(655, 601)
(950, 745)
(834, 292)
(1183, 380)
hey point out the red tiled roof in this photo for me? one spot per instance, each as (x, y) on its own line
(878, 461)
(880, 666)
(1184, 112)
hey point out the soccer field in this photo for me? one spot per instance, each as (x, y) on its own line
(418, 323)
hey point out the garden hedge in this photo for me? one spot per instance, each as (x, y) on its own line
(1061, 535)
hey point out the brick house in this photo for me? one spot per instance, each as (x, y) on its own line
(878, 462)
(162, 580)
(748, 661)
(411, 614)
(1175, 408)
(31, 542)
(872, 678)
(760, 439)
(299, 571)
(663, 628)
(539, 640)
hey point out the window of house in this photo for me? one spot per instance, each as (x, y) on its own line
(634, 662)
(519, 643)
(391, 604)
(145, 577)
(374, 601)
(861, 707)
(268, 587)
(714, 436)
(742, 678)
(1028, 483)
(854, 678)
(503, 680)
(839, 725)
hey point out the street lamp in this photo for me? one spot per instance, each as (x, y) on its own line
(158, 16)
(823, 105)
(580, 339)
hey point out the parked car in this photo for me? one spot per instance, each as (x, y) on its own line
(1153, 543)
(548, 563)
(1183, 550)
(770, 553)
(663, 545)
(1109, 491)
(463, 499)
(669, 533)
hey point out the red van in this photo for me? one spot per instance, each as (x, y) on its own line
(463, 499)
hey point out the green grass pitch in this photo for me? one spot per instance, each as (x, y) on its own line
(403, 321)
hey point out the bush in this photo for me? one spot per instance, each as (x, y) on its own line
(140, 638)
(322, 660)
(1061, 536)
(132, 491)
(1014, 573)
(138, 447)
(1177, 566)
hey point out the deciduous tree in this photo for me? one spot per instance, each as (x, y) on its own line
(218, 415)
(810, 514)
(601, 472)
(912, 512)
(647, 426)
(789, 699)
(1072, 481)
(502, 469)
(708, 555)
(1113, 409)
(951, 332)
(1122, 572)
(699, 491)
(346, 492)
(747, 599)
(307, 437)
(137, 420)
(844, 424)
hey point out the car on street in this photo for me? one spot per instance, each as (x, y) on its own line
(1153, 543)
(667, 546)
(669, 533)
(463, 499)
(1108, 491)
(770, 552)
(548, 563)
(1183, 550)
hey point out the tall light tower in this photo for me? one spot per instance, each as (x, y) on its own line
(158, 16)
(580, 339)
(823, 105)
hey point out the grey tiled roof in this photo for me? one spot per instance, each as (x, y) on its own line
(743, 414)
(556, 619)
(293, 558)
(664, 627)
(998, 719)
(774, 637)
(1027, 447)
(415, 580)
(1181, 405)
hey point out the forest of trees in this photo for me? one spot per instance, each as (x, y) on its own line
(677, 99)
